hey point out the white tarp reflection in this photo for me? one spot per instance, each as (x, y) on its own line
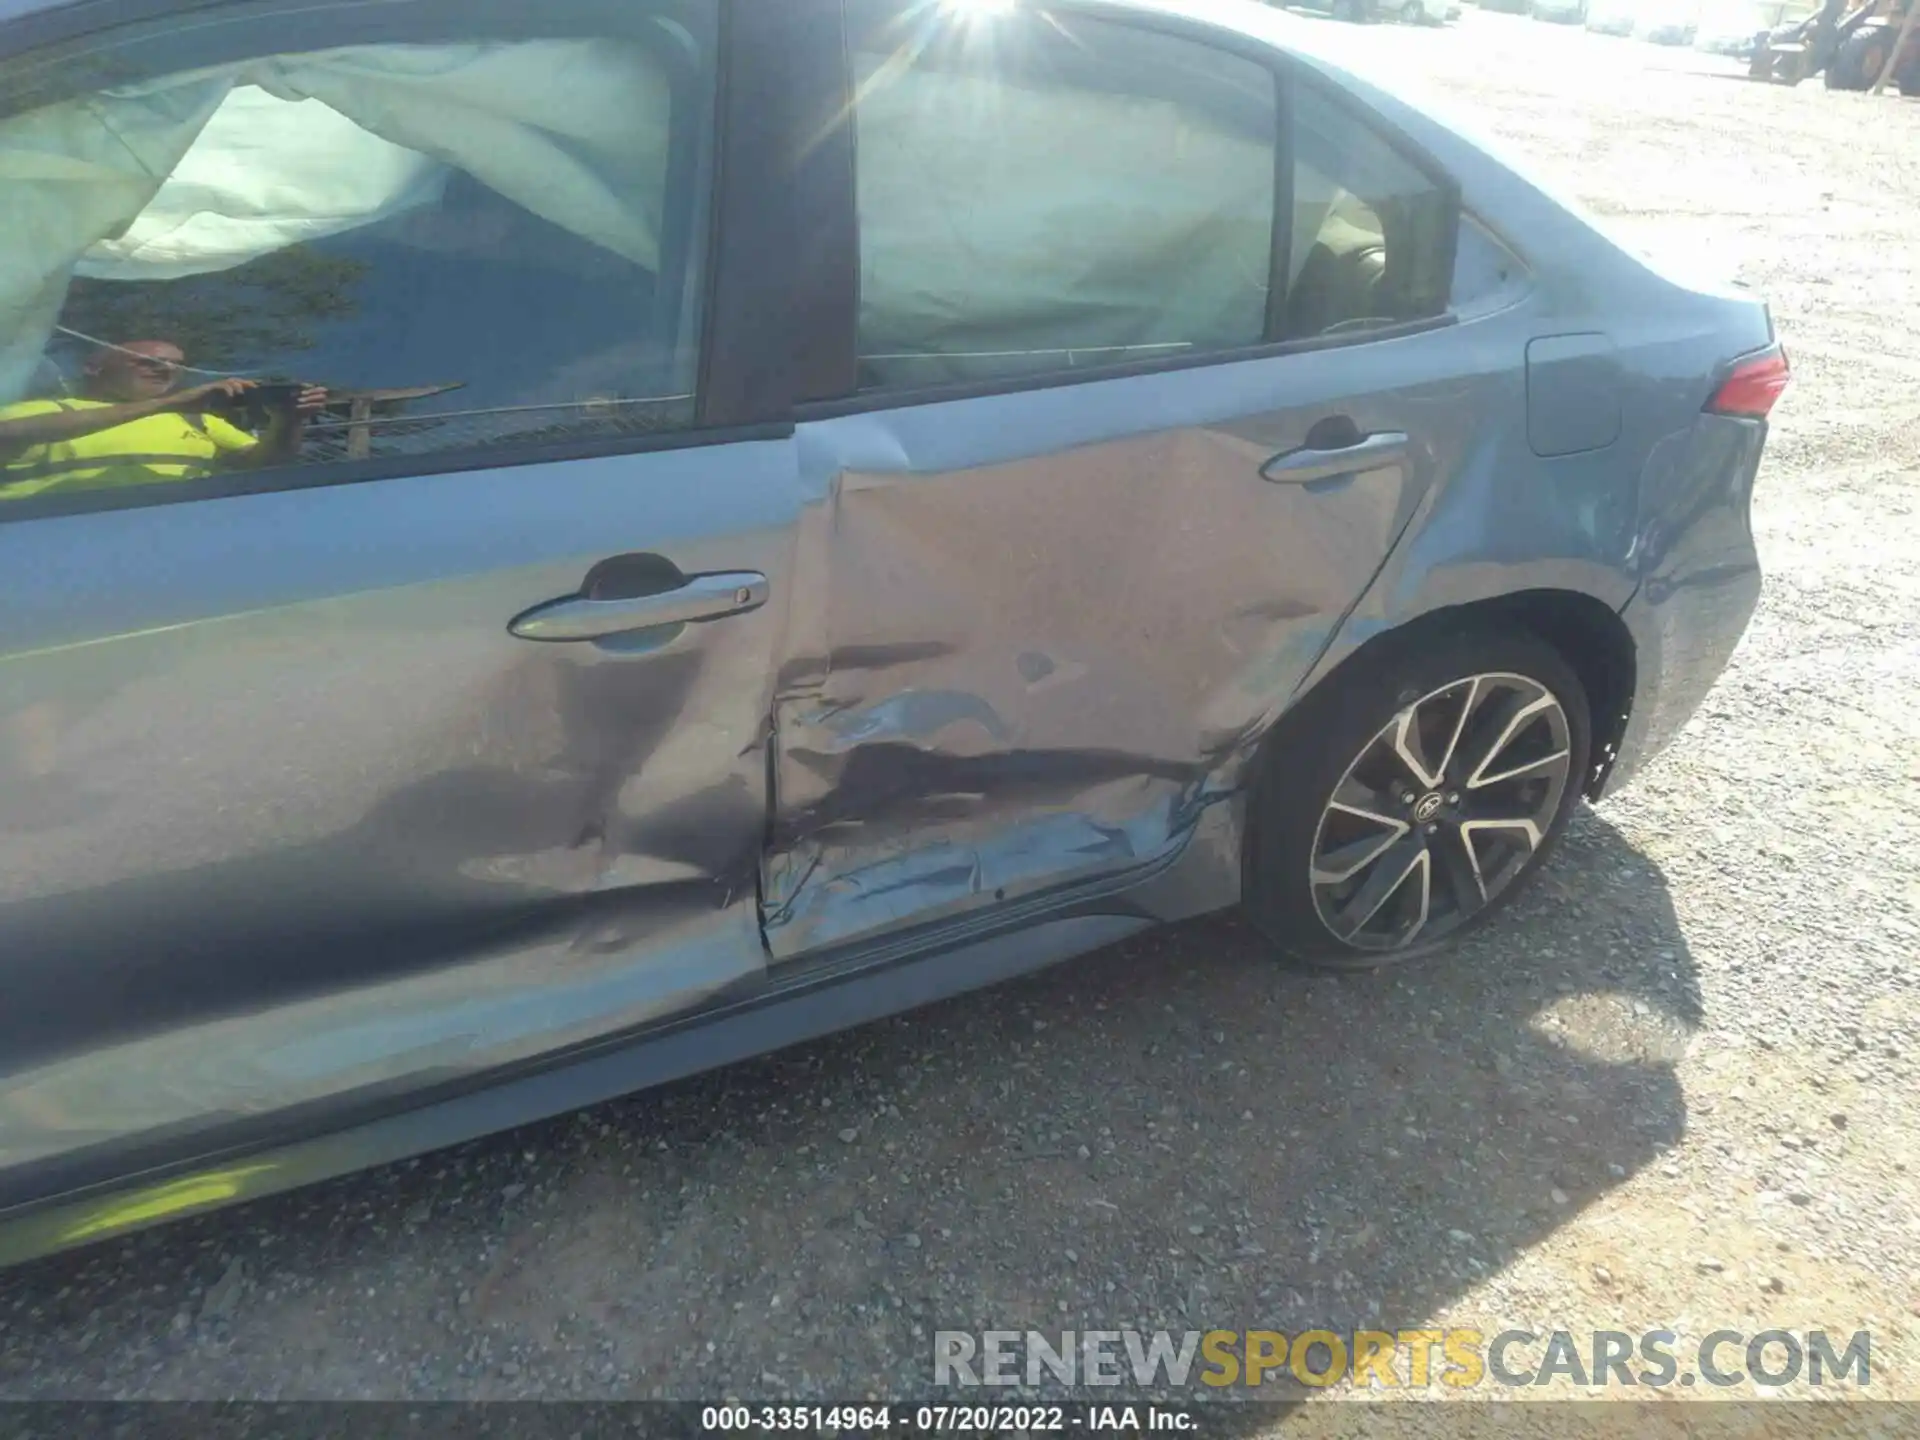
(207, 170)
(998, 217)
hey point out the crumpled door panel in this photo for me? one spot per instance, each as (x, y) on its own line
(1037, 672)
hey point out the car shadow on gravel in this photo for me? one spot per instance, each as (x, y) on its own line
(1172, 1134)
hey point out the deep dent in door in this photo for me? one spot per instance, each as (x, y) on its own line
(344, 836)
(529, 884)
(1035, 673)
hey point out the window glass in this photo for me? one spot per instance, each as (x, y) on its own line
(349, 233)
(1040, 192)
(1372, 240)
(1486, 274)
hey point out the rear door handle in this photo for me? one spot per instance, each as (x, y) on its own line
(702, 597)
(1309, 462)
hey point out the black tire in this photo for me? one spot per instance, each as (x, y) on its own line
(1867, 67)
(1324, 743)
(1856, 65)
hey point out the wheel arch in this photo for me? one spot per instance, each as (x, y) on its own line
(1589, 635)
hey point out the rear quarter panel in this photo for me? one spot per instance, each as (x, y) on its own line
(1667, 500)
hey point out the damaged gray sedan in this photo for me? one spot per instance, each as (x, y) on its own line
(549, 547)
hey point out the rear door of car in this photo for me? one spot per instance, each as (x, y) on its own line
(443, 747)
(1150, 365)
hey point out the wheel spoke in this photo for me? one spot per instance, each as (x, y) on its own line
(1460, 726)
(1511, 719)
(1423, 873)
(1388, 874)
(1460, 867)
(1408, 745)
(1527, 767)
(1350, 797)
(1362, 802)
(1345, 861)
(1493, 870)
(1525, 829)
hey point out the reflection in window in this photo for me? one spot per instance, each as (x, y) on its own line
(1042, 192)
(377, 251)
(1372, 242)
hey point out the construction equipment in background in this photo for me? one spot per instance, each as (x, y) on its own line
(1903, 56)
(1852, 47)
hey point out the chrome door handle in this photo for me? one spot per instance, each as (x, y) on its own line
(702, 597)
(1369, 452)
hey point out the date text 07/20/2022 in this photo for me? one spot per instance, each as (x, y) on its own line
(946, 1419)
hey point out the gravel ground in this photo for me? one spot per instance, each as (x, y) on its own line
(1674, 1088)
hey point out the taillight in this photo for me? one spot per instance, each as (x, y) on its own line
(1756, 382)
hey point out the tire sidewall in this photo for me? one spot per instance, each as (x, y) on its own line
(1315, 744)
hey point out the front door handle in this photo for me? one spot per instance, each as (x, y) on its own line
(1311, 462)
(701, 597)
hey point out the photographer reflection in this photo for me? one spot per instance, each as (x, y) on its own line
(131, 425)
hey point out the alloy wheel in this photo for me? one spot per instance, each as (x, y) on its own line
(1440, 811)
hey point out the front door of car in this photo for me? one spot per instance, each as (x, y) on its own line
(434, 741)
(1120, 456)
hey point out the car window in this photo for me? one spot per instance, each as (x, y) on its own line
(1486, 274)
(1042, 191)
(349, 233)
(1372, 241)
